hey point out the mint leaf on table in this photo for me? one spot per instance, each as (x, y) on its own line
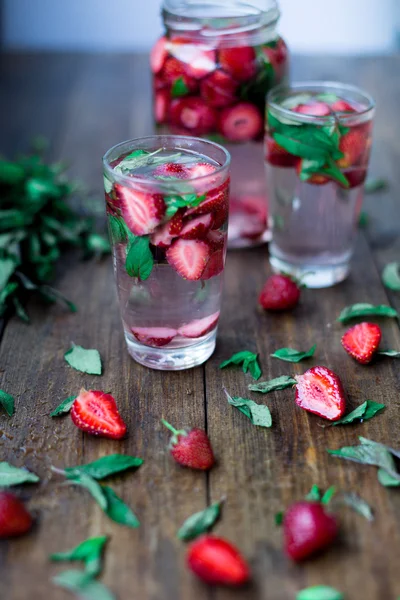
(375, 185)
(355, 502)
(369, 453)
(91, 485)
(365, 411)
(294, 356)
(200, 522)
(279, 383)
(248, 360)
(392, 353)
(139, 258)
(117, 510)
(314, 495)
(89, 552)
(366, 310)
(64, 407)
(259, 414)
(7, 402)
(84, 360)
(10, 475)
(387, 480)
(107, 465)
(391, 276)
(320, 592)
(82, 584)
(179, 88)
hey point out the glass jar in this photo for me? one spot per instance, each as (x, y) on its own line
(211, 72)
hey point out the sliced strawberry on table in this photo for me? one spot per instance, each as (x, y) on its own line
(142, 211)
(320, 391)
(215, 264)
(241, 122)
(161, 104)
(96, 413)
(307, 529)
(199, 327)
(173, 70)
(158, 54)
(195, 115)
(217, 562)
(189, 257)
(278, 156)
(362, 341)
(154, 336)
(197, 228)
(352, 144)
(172, 170)
(280, 292)
(191, 448)
(218, 89)
(240, 62)
(15, 520)
(316, 109)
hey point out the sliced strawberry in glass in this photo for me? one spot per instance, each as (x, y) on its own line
(195, 115)
(158, 55)
(316, 178)
(142, 211)
(164, 234)
(199, 327)
(197, 59)
(316, 109)
(240, 62)
(241, 122)
(172, 170)
(197, 228)
(343, 106)
(154, 336)
(353, 145)
(278, 57)
(173, 70)
(189, 257)
(218, 89)
(278, 156)
(215, 265)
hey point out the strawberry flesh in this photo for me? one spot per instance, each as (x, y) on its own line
(197, 228)
(280, 292)
(199, 327)
(342, 106)
(154, 336)
(240, 62)
(189, 257)
(96, 413)
(173, 70)
(320, 391)
(278, 156)
(308, 529)
(241, 122)
(352, 144)
(316, 109)
(172, 170)
(142, 211)
(362, 341)
(15, 520)
(217, 562)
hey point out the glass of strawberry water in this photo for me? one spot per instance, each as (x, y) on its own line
(167, 207)
(317, 147)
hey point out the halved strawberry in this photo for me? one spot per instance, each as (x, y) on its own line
(154, 336)
(200, 169)
(215, 264)
(352, 144)
(197, 228)
(172, 170)
(163, 235)
(216, 200)
(320, 391)
(189, 257)
(158, 55)
(241, 122)
(161, 103)
(278, 156)
(141, 211)
(218, 89)
(173, 70)
(342, 106)
(195, 115)
(361, 341)
(316, 109)
(199, 327)
(240, 62)
(95, 412)
(198, 60)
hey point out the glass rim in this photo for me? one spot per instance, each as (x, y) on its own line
(311, 86)
(132, 179)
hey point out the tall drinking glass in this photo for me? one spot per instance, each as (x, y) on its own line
(317, 146)
(167, 203)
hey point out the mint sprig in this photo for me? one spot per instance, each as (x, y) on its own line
(64, 407)
(248, 360)
(84, 360)
(83, 585)
(107, 465)
(364, 412)
(89, 552)
(259, 414)
(320, 592)
(366, 310)
(139, 258)
(292, 355)
(279, 383)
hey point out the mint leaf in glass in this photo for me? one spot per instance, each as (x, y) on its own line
(10, 475)
(294, 356)
(91, 485)
(84, 360)
(107, 465)
(64, 407)
(89, 552)
(391, 276)
(365, 411)
(83, 585)
(279, 383)
(7, 402)
(320, 592)
(366, 310)
(117, 510)
(139, 258)
(199, 523)
(248, 360)
(258, 414)
(117, 229)
(300, 148)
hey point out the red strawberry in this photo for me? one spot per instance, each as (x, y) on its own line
(96, 412)
(316, 109)
(161, 103)
(215, 265)
(197, 60)
(163, 236)
(195, 115)
(218, 89)
(355, 177)
(141, 211)
(307, 529)
(280, 292)
(197, 228)
(278, 156)
(189, 257)
(191, 448)
(173, 70)
(15, 520)
(199, 327)
(342, 106)
(240, 62)
(172, 170)
(217, 562)
(316, 178)
(241, 122)
(361, 341)
(352, 144)
(215, 202)
(158, 55)
(200, 169)
(154, 336)
(320, 391)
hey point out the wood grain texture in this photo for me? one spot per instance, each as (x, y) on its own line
(85, 104)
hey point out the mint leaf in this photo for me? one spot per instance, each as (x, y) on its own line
(7, 402)
(199, 523)
(247, 359)
(258, 414)
(364, 310)
(117, 229)
(387, 480)
(279, 383)
(10, 475)
(392, 353)
(90, 552)
(293, 356)
(375, 185)
(83, 585)
(391, 276)
(107, 184)
(314, 495)
(87, 482)
(84, 360)
(365, 411)
(139, 259)
(298, 148)
(319, 592)
(356, 503)
(107, 465)
(117, 510)
(368, 453)
(189, 200)
(64, 407)
(179, 88)
(327, 497)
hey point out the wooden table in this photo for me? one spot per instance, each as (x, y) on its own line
(85, 104)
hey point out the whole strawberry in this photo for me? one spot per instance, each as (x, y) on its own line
(280, 292)
(191, 448)
(14, 518)
(217, 561)
(307, 529)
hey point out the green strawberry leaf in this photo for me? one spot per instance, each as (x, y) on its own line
(64, 407)
(319, 592)
(117, 510)
(7, 402)
(10, 475)
(248, 360)
(314, 495)
(83, 585)
(200, 522)
(89, 552)
(107, 465)
(179, 88)
(391, 276)
(327, 497)
(375, 185)
(365, 411)
(279, 383)
(366, 310)
(139, 258)
(84, 360)
(293, 356)
(258, 414)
